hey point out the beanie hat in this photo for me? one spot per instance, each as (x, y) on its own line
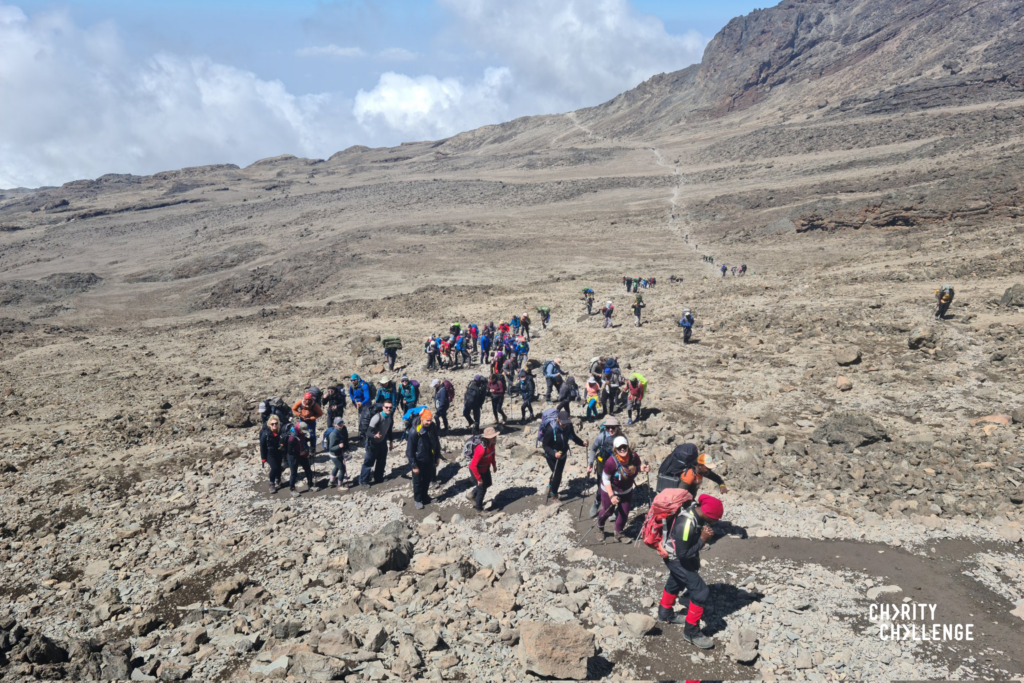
(426, 413)
(308, 395)
(710, 506)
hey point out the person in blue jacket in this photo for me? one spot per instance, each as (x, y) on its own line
(485, 347)
(358, 391)
(522, 350)
(385, 391)
(686, 322)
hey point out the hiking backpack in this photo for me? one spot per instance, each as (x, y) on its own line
(318, 395)
(326, 436)
(449, 389)
(549, 416)
(546, 368)
(470, 446)
(678, 461)
(666, 504)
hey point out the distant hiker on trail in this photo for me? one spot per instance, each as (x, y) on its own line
(423, 451)
(515, 325)
(611, 386)
(527, 393)
(462, 354)
(545, 316)
(485, 347)
(628, 281)
(432, 349)
(444, 392)
(725, 269)
(522, 350)
(607, 312)
(524, 322)
(588, 300)
(378, 443)
(654, 281)
(617, 477)
(297, 450)
(474, 336)
(685, 535)
(272, 450)
(391, 347)
(408, 393)
(335, 443)
(567, 394)
(476, 394)
(734, 271)
(553, 376)
(636, 285)
(556, 437)
(635, 388)
(307, 411)
(943, 297)
(601, 448)
(638, 307)
(496, 390)
(483, 461)
(334, 398)
(743, 269)
(686, 322)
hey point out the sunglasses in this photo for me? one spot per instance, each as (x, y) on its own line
(622, 448)
(387, 407)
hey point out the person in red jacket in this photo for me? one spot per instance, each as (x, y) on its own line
(480, 466)
(308, 411)
(634, 402)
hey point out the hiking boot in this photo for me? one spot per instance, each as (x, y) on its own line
(669, 616)
(602, 533)
(692, 634)
(295, 494)
(619, 538)
(482, 512)
(273, 489)
(594, 509)
(419, 505)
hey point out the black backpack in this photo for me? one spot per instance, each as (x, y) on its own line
(682, 458)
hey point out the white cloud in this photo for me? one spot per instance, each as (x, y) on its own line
(331, 51)
(428, 107)
(566, 54)
(397, 54)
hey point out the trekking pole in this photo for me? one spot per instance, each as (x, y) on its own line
(647, 483)
(559, 466)
(618, 511)
(586, 495)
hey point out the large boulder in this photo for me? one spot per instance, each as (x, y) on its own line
(308, 666)
(379, 551)
(237, 416)
(921, 337)
(555, 650)
(847, 355)
(1013, 296)
(852, 429)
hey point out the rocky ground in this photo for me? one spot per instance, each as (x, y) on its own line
(874, 454)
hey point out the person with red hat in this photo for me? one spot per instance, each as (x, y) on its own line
(307, 410)
(686, 534)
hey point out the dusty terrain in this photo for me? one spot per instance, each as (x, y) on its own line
(854, 155)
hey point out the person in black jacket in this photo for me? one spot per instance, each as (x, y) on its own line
(336, 439)
(272, 450)
(556, 438)
(335, 401)
(687, 533)
(378, 441)
(442, 401)
(296, 448)
(423, 450)
(527, 389)
(476, 394)
(567, 394)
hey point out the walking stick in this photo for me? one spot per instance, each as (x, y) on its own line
(647, 483)
(618, 511)
(559, 466)
(585, 497)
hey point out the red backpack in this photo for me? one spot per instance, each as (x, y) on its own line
(666, 504)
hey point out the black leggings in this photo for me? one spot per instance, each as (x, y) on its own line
(481, 489)
(496, 407)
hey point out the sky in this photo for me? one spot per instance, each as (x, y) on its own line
(142, 86)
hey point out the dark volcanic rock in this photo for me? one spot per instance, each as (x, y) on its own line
(1013, 296)
(851, 429)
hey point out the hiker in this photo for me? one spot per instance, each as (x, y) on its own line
(687, 533)
(474, 336)
(524, 321)
(480, 467)
(743, 269)
(423, 451)
(635, 389)
(616, 482)
(943, 297)
(600, 449)
(408, 393)
(555, 438)
(734, 271)
(496, 390)
(391, 353)
(567, 394)
(385, 391)
(307, 411)
(358, 391)
(588, 299)
(522, 350)
(686, 322)
(552, 376)
(476, 394)
(611, 386)
(334, 397)
(725, 269)
(607, 312)
(636, 285)
(378, 443)
(275, 406)
(462, 346)
(593, 398)
(272, 450)
(444, 392)
(545, 316)
(515, 325)
(638, 307)
(527, 391)
(654, 282)
(685, 469)
(485, 347)
(430, 348)
(297, 450)
(335, 442)
(628, 282)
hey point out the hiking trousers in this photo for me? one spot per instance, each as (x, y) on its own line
(625, 505)
(607, 321)
(374, 462)
(632, 406)
(472, 415)
(421, 482)
(294, 463)
(680, 578)
(337, 467)
(480, 491)
(497, 403)
(311, 442)
(442, 417)
(526, 406)
(274, 464)
(609, 398)
(557, 466)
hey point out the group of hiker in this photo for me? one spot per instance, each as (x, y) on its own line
(633, 284)
(507, 340)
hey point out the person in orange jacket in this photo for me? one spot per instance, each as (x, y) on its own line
(307, 410)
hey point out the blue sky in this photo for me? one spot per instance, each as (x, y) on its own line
(118, 86)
